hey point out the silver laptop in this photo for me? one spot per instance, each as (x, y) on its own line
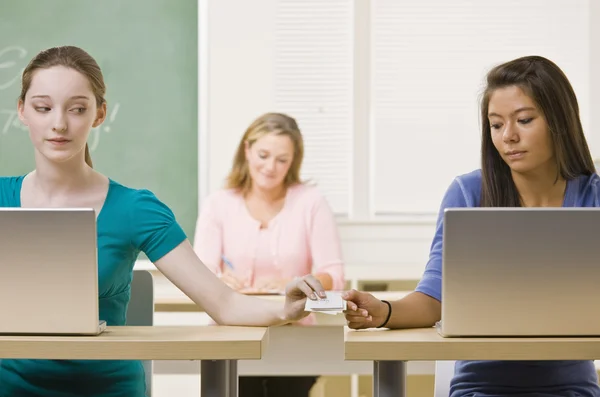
(520, 272)
(48, 272)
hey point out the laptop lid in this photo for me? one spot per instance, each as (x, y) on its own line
(48, 271)
(520, 271)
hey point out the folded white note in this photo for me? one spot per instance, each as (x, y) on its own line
(332, 304)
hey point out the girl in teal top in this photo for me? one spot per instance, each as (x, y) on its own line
(62, 98)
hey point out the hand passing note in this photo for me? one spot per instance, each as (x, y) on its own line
(298, 292)
(364, 310)
(331, 304)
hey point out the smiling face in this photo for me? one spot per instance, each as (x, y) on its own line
(269, 160)
(60, 109)
(519, 131)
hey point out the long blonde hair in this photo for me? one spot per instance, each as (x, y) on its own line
(269, 123)
(73, 58)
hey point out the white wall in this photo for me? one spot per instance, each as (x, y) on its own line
(429, 60)
(394, 238)
(240, 76)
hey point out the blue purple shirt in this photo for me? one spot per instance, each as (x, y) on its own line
(514, 378)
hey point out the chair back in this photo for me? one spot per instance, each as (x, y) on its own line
(140, 312)
(444, 371)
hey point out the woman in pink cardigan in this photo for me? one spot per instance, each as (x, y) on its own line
(268, 227)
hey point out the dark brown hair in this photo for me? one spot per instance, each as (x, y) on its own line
(70, 57)
(546, 84)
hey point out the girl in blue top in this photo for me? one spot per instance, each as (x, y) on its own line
(534, 154)
(62, 98)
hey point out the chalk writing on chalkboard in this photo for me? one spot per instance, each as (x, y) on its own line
(11, 65)
(96, 133)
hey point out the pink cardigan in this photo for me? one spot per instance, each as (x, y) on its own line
(300, 240)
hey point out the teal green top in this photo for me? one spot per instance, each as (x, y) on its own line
(131, 221)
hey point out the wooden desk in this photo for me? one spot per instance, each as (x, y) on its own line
(389, 350)
(324, 340)
(218, 347)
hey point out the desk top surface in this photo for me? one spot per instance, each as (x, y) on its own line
(143, 343)
(426, 344)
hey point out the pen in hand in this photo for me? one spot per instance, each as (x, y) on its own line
(229, 277)
(227, 262)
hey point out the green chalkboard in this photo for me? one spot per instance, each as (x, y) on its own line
(148, 52)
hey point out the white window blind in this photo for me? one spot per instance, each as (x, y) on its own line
(429, 59)
(314, 84)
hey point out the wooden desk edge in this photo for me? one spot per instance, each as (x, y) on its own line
(426, 345)
(140, 343)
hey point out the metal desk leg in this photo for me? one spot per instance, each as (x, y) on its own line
(389, 379)
(218, 378)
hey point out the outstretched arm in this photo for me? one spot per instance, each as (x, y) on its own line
(422, 308)
(153, 230)
(227, 307)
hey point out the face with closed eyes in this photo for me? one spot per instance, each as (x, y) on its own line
(519, 131)
(60, 110)
(269, 160)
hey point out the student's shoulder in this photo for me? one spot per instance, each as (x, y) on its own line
(126, 193)
(221, 203)
(306, 195)
(130, 198)
(588, 192)
(222, 198)
(224, 194)
(307, 190)
(10, 190)
(140, 207)
(465, 189)
(470, 181)
(11, 181)
(147, 222)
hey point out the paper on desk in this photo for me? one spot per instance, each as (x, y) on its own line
(332, 304)
(260, 291)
